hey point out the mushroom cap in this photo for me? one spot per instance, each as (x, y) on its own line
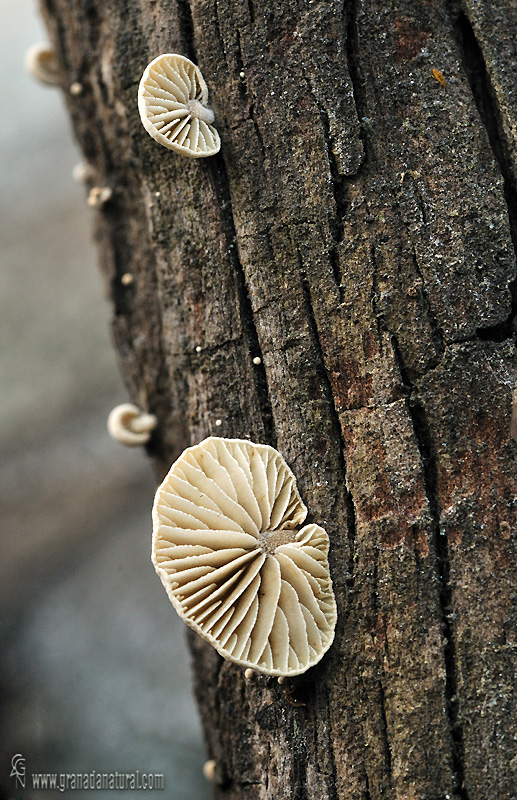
(41, 62)
(172, 98)
(237, 565)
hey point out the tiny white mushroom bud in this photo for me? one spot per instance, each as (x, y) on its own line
(209, 770)
(241, 74)
(281, 679)
(76, 88)
(99, 196)
(218, 423)
(257, 360)
(172, 101)
(83, 173)
(198, 349)
(41, 63)
(249, 673)
(129, 425)
(127, 279)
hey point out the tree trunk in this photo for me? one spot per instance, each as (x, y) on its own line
(355, 233)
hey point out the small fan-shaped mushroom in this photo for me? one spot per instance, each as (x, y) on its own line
(237, 565)
(172, 99)
(41, 62)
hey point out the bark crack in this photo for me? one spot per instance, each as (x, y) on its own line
(186, 25)
(436, 331)
(486, 103)
(251, 112)
(384, 731)
(354, 70)
(335, 423)
(221, 187)
(430, 483)
(337, 222)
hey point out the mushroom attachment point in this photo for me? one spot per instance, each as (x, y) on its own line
(129, 425)
(237, 562)
(172, 99)
(99, 196)
(41, 63)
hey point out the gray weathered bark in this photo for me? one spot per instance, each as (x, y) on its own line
(355, 232)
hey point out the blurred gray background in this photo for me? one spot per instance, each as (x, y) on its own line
(94, 672)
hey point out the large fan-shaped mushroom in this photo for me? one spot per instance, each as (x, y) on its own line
(172, 99)
(237, 565)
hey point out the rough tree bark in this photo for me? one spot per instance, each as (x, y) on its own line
(355, 232)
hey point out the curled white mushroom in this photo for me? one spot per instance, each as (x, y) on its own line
(238, 565)
(41, 63)
(99, 196)
(172, 99)
(129, 425)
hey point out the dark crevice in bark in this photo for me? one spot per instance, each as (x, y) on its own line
(336, 270)
(383, 728)
(336, 425)
(240, 65)
(251, 9)
(367, 795)
(435, 328)
(423, 437)
(186, 24)
(299, 790)
(430, 481)
(484, 97)
(384, 731)
(354, 69)
(257, 130)
(221, 186)
(502, 330)
(336, 221)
